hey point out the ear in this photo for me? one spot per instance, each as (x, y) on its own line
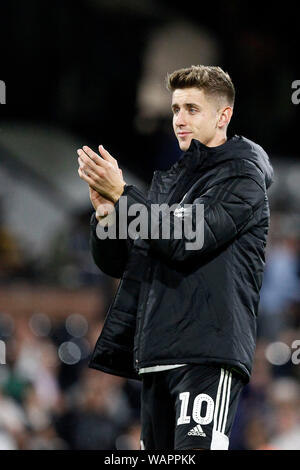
(225, 116)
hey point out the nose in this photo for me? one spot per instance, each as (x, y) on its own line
(180, 118)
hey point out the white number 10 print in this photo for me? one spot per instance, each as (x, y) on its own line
(197, 407)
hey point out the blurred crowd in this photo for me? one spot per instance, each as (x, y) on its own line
(50, 399)
(269, 412)
(52, 304)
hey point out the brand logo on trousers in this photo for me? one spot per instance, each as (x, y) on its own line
(197, 431)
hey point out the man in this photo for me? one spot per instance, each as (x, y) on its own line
(184, 320)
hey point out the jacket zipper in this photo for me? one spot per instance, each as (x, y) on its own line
(145, 293)
(142, 318)
(176, 193)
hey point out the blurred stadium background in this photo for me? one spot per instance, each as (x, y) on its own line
(92, 72)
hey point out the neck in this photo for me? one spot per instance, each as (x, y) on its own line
(217, 140)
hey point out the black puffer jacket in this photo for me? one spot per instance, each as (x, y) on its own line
(175, 305)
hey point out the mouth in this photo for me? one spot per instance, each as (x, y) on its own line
(183, 134)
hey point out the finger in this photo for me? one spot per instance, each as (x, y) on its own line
(107, 156)
(85, 168)
(87, 160)
(85, 177)
(93, 176)
(86, 164)
(84, 160)
(88, 178)
(93, 171)
(93, 156)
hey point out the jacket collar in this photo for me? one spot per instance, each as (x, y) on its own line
(200, 157)
(198, 154)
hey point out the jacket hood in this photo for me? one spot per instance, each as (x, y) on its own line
(234, 148)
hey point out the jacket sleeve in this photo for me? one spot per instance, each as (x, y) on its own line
(111, 254)
(227, 207)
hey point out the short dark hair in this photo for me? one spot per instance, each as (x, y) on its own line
(211, 79)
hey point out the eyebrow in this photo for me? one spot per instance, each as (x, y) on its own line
(175, 105)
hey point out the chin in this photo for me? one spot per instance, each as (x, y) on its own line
(184, 145)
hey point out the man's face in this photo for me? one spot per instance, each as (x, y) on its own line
(194, 117)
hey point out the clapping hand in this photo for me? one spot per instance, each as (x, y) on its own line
(102, 174)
